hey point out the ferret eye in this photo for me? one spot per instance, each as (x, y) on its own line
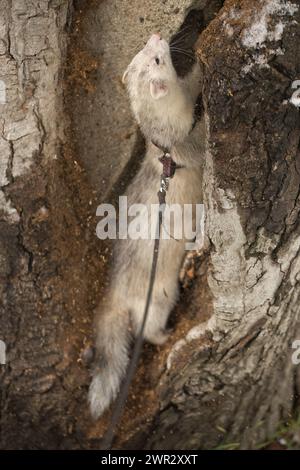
(157, 60)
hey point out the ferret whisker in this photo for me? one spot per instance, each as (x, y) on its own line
(179, 33)
(180, 48)
(180, 39)
(181, 51)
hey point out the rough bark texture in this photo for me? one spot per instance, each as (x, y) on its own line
(228, 379)
(239, 382)
(41, 251)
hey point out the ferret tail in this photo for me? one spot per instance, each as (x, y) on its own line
(113, 344)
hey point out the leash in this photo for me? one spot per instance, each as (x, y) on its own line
(169, 168)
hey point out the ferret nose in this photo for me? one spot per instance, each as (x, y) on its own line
(156, 37)
(154, 41)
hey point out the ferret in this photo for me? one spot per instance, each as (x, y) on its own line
(163, 105)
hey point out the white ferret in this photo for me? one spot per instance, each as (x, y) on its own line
(163, 105)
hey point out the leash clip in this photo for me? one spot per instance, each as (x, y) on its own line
(164, 183)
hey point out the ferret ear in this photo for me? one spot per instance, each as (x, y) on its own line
(125, 76)
(158, 89)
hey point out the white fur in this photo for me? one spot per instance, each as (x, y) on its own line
(165, 116)
(163, 105)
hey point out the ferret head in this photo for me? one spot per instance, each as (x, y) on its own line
(162, 106)
(151, 71)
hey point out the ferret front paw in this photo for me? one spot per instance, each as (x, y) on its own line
(158, 338)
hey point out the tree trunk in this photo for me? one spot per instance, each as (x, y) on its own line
(226, 376)
(43, 281)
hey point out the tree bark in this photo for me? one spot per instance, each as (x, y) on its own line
(226, 376)
(42, 239)
(237, 379)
